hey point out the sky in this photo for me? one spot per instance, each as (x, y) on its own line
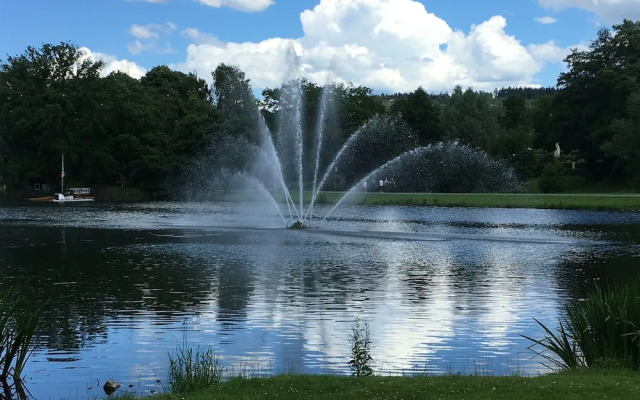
(389, 46)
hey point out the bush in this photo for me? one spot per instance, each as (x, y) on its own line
(552, 178)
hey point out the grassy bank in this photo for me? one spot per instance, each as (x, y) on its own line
(510, 200)
(564, 386)
(576, 201)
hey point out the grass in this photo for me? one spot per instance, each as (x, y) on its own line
(602, 331)
(17, 332)
(575, 201)
(564, 386)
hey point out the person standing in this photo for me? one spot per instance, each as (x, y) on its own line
(381, 186)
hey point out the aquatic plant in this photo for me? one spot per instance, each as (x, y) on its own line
(602, 331)
(17, 332)
(360, 349)
(193, 369)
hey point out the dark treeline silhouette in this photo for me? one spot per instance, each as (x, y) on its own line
(117, 131)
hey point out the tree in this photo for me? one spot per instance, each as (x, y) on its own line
(625, 141)
(421, 114)
(234, 98)
(595, 90)
(470, 118)
(43, 95)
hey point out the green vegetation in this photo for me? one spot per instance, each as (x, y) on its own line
(162, 131)
(17, 331)
(601, 331)
(360, 349)
(192, 369)
(579, 385)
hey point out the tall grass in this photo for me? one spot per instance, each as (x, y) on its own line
(192, 369)
(602, 331)
(17, 331)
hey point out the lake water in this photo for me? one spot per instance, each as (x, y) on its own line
(443, 290)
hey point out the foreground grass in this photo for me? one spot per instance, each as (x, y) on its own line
(575, 201)
(563, 386)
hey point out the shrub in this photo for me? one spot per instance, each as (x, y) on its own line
(552, 178)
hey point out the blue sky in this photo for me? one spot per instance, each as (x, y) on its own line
(387, 45)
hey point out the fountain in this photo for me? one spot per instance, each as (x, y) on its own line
(274, 168)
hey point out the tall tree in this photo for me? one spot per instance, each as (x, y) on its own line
(234, 98)
(42, 95)
(595, 89)
(421, 114)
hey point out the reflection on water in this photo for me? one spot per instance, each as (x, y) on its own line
(442, 289)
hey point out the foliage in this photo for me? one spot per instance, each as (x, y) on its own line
(552, 178)
(422, 115)
(360, 349)
(17, 332)
(594, 91)
(470, 118)
(192, 369)
(602, 331)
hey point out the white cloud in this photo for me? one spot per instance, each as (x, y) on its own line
(546, 20)
(147, 37)
(240, 5)
(143, 32)
(199, 37)
(388, 45)
(548, 51)
(111, 64)
(609, 11)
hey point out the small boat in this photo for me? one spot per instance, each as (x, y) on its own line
(60, 198)
(77, 194)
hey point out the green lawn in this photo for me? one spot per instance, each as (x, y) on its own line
(565, 386)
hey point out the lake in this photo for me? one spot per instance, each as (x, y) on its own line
(443, 290)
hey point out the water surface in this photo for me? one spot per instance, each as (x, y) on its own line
(442, 289)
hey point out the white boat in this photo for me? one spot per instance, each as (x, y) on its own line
(68, 198)
(59, 198)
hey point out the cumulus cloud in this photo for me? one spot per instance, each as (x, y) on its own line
(240, 5)
(391, 46)
(112, 64)
(545, 20)
(609, 11)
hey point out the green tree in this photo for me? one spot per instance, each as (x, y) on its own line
(470, 118)
(421, 114)
(594, 91)
(43, 95)
(234, 98)
(625, 142)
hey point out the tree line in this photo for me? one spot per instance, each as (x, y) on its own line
(145, 133)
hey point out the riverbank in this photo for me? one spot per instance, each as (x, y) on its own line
(595, 201)
(619, 385)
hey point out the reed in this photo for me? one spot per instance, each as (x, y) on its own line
(193, 369)
(602, 331)
(17, 333)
